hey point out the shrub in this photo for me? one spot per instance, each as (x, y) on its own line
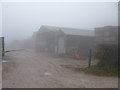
(107, 54)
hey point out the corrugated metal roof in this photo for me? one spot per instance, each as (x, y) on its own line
(82, 32)
(52, 28)
(68, 31)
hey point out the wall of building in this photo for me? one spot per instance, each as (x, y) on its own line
(0, 20)
(45, 42)
(82, 44)
(106, 35)
(0, 48)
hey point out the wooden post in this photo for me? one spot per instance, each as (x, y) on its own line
(90, 58)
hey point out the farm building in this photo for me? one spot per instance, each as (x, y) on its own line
(1, 47)
(60, 40)
(106, 35)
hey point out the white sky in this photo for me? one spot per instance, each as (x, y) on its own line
(0, 20)
(20, 20)
(59, 0)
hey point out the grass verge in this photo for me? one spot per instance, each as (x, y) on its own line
(102, 71)
(95, 70)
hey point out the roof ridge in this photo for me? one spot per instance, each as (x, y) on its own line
(64, 27)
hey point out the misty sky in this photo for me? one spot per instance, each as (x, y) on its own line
(0, 19)
(20, 20)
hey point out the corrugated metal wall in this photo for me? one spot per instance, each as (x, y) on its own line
(1, 47)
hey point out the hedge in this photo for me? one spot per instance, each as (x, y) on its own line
(107, 54)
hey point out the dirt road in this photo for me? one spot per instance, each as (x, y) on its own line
(27, 69)
(0, 71)
(0, 75)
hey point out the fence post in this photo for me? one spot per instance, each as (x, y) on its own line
(90, 58)
(3, 49)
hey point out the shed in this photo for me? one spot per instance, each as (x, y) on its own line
(61, 40)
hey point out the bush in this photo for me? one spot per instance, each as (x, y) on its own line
(108, 61)
(107, 54)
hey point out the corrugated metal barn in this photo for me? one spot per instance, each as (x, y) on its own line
(61, 40)
(106, 35)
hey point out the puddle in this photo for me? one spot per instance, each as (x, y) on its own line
(47, 74)
(4, 61)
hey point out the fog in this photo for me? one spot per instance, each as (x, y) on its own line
(0, 20)
(20, 20)
(55, 44)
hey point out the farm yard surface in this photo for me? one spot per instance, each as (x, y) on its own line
(27, 69)
(0, 75)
